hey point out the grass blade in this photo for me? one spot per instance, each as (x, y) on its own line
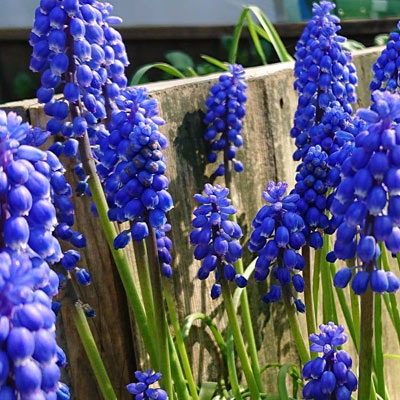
(273, 35)
(162, 66)
(282, 389)
(256, 40)
(214, 61)
(236, 36)
(207, 390)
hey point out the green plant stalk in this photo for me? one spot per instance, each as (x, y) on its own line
(308, 295)
(230, 362)
(180, 344)
(238, 340)
(355, 308)
(143, 271)
(159, 309)
(316, 282)
(295, 327)
(366, 342)
(244, 300)
(119, 256)
(92, 352)
(379, 365)
(181, 391)
(345, 309)
(394, 310)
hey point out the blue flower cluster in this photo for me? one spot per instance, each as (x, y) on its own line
(330, 375)
(225, 111)
(386, 67)
(367, 201)
(325, 77)
(216, 237)
(142, 390)
(277, 237)
(30, 180)
(311, 187)
(75, 47)
(132, 166)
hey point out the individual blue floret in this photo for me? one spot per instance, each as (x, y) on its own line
(225, 110)
(216, 237)
(367, 200)
(329, 376)
(277, 238)
(142, 390)
(325, 77)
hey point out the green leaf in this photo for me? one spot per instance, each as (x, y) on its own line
(179, 60)
(381, 40)
(207, 390)
(238, 291)
(282, 389)
(215, 62)
(392, 356)
(161, 66)
(256, 40)
(189, 321)
(272, 34)
(236, 36)
(352, 45)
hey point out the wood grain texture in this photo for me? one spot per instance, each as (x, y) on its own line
(267, 154)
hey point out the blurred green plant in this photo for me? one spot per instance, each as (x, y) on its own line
(264, 37)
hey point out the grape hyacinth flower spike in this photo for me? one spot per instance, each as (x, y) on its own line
(277, 238)
(142, 390)
(216, 237)
(29, 178)
(367, 200)
(386, 67)
(225, 109)
(325, 78)
(132, 167)
(329, 376)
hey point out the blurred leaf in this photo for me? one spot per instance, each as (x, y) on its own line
(136, 79)
(352, 45)
(255, 38)
(272, 34)
(215, 62)
(226, 42)
(24, 86)
(381, 40)
(392, 356)
(205, 68)
(180, 60)
(207, 390)
(236, 36)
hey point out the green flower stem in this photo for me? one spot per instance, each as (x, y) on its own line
(366, 342)
(355, 308)
(316, 282)
(180, 344)
(231, 364)
(308, 295)
(380, 367)
(238, 340)
(295, 327)
(244, 299)
(92, 352)
(142, 264)
(159, 309)
(181, 391)
(119, 256)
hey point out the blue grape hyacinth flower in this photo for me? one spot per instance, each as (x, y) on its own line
(329, 376)
(216, 237)
(225, 110)
(277, 238)
(76, 49)
(325, 76)
(367, 201)
(142, 390)
(132, 166)
(30, 181)
(386, 67)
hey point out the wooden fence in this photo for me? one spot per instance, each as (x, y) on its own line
(267, 155)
